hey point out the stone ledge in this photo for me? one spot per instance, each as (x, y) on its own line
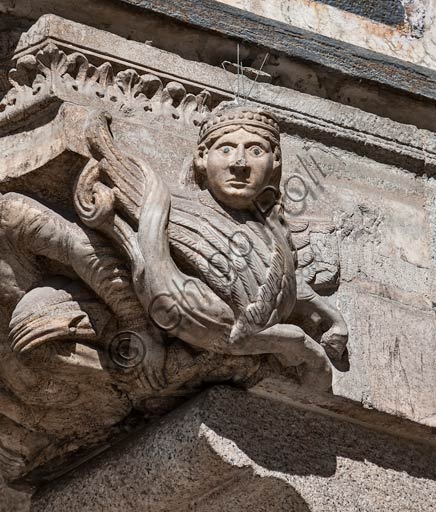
(345, 409)
(226, 21)
(352, 61)
(232, 450)
(208, 31)
(334, 124)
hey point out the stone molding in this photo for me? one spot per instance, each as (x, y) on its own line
(347, 59)
(287, 458)
(38, 79)
(214, 17)
(187, 93)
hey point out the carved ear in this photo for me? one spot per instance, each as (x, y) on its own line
(200, 159)
(277, 158)
(277, 167)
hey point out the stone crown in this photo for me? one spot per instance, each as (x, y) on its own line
(248, 116)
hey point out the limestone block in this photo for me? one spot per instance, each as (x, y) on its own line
(230, 450)
(12, 500)
(373, 190)
(395, 28)
(385, 223)
(391, 355)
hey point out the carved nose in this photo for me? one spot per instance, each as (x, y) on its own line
(240, 163)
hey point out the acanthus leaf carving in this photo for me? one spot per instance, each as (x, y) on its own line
(134, 91)
(88, 79)
(51, 72)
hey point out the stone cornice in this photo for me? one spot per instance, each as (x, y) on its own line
(350, 60)
(49, 74)
(85, 47)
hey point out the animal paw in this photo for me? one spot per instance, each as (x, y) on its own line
(334, 342)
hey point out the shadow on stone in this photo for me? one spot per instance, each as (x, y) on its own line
(389, 12)
(299, 442)
(233, 450)
(266, 494)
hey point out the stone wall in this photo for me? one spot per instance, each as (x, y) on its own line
(384, 215)
(399, 28)
(284, 458)
(359, 166)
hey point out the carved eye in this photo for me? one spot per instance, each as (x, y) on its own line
(256, 150)
(226, 149)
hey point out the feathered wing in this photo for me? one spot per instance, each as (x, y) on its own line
(124, 198)
(256, 314)
(126, 177)
(254, 280)
(316, 246)
(109, 192)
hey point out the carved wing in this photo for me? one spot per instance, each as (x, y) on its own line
(318, 268)
(109, 192)
(111, 181)
(317, 250)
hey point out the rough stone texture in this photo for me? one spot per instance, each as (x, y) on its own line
(401, 29)
(307, 115)
(12, 500)
(389, 13)
(346, 161)
(388, 275)
(283, 39)
(66, 319)
(368, 176)
(229, 450)
(208, 31)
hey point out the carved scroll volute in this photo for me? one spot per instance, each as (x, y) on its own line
(108, 192)
(94, 201)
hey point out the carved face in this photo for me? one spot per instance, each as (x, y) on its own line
(239, 165)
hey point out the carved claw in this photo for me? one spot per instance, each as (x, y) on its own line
(152, 371)
(334, 342)
(30, 334)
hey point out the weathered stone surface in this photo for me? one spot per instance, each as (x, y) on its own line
(386, 244)
(12, 500)
(342, 160)
(396, 28)
(137, 264)
(358, 191)
(300, 59)
(228, 448)
(307, 115)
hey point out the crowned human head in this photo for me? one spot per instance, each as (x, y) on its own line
(228, 117)
(238, 154)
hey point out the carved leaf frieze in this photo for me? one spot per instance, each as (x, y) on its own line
(52, 73)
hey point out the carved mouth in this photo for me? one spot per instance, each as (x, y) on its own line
(237, 183)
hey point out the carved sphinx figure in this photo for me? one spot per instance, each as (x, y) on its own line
(202, 270)
(227, 239)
